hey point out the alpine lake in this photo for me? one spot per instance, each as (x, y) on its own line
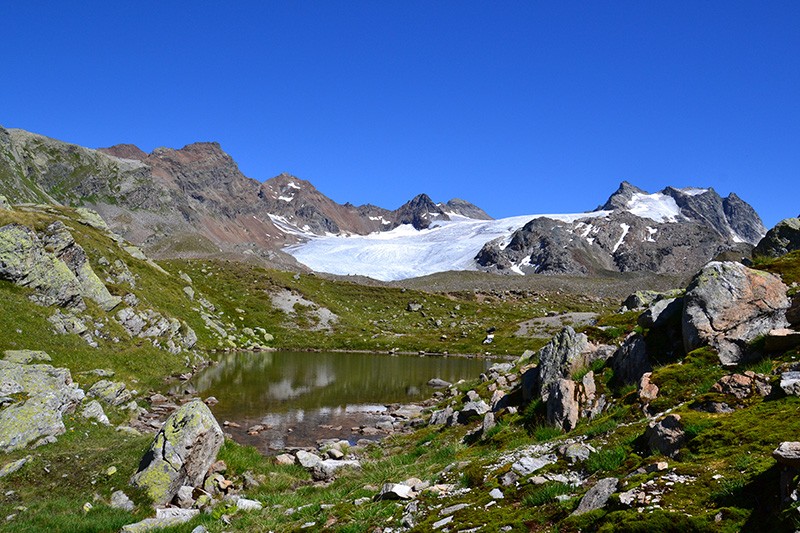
(283, 400)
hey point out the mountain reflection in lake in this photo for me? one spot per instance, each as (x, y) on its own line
(300, 397)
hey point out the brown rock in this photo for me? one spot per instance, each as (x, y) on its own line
(738, 385)
(648, 391)
(666, 436)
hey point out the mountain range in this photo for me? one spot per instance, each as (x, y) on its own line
(195, 202)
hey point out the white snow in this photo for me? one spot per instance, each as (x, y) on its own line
(625, 229)
(526, 261)
(406, 252)
(286, 198)
(658, 207)
(293, 185)
(693, 191)
(651, 233)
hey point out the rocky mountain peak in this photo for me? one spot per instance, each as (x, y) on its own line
(125, 151)
(420, 212)
(467, 209)
(621, 197)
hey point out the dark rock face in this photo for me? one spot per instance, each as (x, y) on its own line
(419, 212)
(728, 305)
(780, 240)
(467, 209)
(630, 361)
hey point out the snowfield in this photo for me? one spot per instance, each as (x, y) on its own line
(406, 252)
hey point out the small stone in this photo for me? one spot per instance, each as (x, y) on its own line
(120, 500)
(597, 496)
(395, 491)
(443, 522)
(284, 459)
(111, 470)
(496, 494)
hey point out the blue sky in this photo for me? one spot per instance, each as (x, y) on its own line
(519, 107)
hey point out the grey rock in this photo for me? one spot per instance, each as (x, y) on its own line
(181, 453)
(441, 417)
(577, 452)
(167, 519)
(531, 463)
(666, 436)
(63, 245)
(781, 340)
(630, 361)
(563, 408)
(110, 392)
(473, 410)
(94, 411)
(597, 497)
(488, 423)
(24, 357)
(437, 383)
(788, 454)
(326, 469)
(496, 494)
(727, 306)
(184, 497)
(120, 500)
(395, 491)
(780, 240)
(306, 459)
(14, 466)
(559, 358)
(661, 312)
(790, 383)
(439, 524)
(50, 394)
(25, 262)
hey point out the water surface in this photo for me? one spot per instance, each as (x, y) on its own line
(301, 397)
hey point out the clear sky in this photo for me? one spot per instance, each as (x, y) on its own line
(519, 107)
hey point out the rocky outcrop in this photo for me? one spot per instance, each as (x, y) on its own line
(24, 261)
(780, 240)
(48, 393)
(55, 266)
(181, 453)
(728, 306)
(419, 212)
(61, 242)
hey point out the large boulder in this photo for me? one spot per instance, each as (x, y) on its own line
(181, 453)
(597, 497)
(780, 240)
(563, 407)
(727, 306)
(630, 361)
(63, 245)
(50, 394)
(666, 436)
(564, 354)
(24, 261)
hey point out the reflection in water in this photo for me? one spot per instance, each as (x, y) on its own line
(301, 397)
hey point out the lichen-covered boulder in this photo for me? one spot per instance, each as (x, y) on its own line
(63, 245)
(110, 392)
(24, 261)
(564, 354)
(780, 240)
(24, 357)
(181, 453)
(727, 306)
(47, 393)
